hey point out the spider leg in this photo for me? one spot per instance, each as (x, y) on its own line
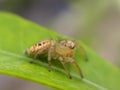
(38, 53)
(75, 65)
(50, 52)
(65, 67)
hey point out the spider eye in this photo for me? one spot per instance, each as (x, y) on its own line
(72, 47)
(70, 44)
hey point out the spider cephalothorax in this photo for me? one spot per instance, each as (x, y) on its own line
(67, 43)
(61, 50)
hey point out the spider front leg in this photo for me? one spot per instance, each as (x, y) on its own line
(50, 52)
(65, 67)
(74, 64)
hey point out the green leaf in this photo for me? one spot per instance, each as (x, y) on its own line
(17, 34)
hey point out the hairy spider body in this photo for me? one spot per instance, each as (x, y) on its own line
(61, 50)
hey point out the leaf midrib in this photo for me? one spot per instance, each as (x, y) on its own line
(58, 69)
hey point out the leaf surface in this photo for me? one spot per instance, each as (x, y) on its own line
(17, 34)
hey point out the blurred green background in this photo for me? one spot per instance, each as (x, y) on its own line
(95, 22)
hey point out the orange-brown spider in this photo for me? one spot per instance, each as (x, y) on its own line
(61, 50)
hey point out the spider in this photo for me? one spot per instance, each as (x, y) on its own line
(61, 50)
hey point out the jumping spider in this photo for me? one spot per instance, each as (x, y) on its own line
(61, 50)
